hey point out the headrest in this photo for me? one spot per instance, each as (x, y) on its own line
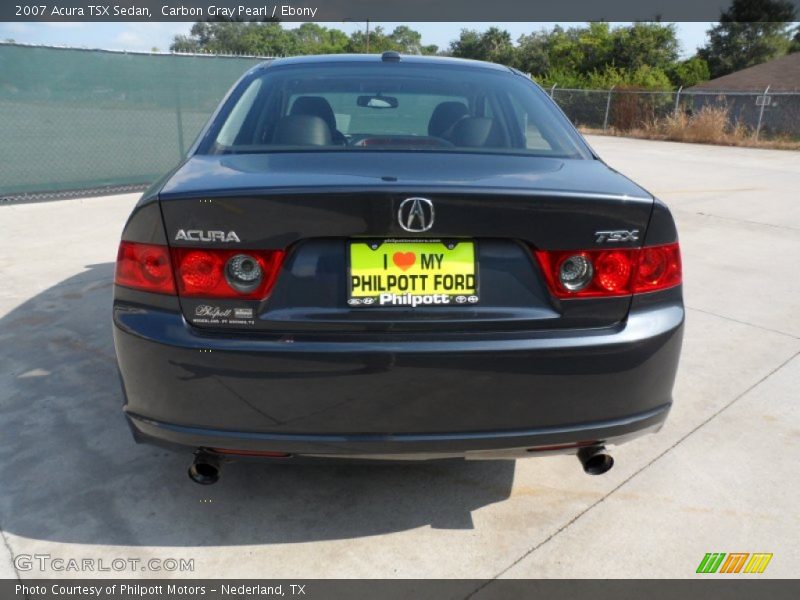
(314, 106)
(302, 130)
(444, 116)
(474, 132)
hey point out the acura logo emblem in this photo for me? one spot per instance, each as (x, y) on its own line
(415, 214)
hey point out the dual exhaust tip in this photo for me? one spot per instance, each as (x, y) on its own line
(206, 468)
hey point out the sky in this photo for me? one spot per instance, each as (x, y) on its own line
(146, 36)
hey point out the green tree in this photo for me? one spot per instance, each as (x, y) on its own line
(263, 39)
(533, 53)
(271, 39)
(311, 38)
(643, 78)
(402, 39)
(595, 53)
(795, 47)
(493, 45)
(689, 72)
(750, 32)
(379, 41)
(468, 45)
(582, 49)
(645, 44)
(409, 41)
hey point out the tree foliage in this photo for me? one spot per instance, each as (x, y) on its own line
(689, 72)
(493, 45)
(594, 55)
(749, 32)
(272, 39)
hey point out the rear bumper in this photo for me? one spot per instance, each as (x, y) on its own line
(478, 445)
(480, 395)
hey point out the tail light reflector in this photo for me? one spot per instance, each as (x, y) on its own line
(229, 273)
(264, 453)
(562, 446)
(614, 272)
(144, 267)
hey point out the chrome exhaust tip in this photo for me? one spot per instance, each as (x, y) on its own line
(205, 469)
(595, 460)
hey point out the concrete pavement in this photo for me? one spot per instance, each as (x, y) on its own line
(717, 478)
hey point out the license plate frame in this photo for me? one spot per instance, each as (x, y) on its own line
(454, 261)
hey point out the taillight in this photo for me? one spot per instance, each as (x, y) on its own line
(243, 274)
(659, 267)
(144, 267)
(619, 272)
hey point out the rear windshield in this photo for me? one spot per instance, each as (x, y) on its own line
(361, 106)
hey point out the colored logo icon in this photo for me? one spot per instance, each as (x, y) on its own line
(734, 562)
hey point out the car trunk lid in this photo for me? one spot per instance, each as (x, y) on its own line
(314, 205)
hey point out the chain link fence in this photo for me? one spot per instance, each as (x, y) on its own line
(78, 120)
(762, 115)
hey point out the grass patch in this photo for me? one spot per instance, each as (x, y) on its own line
(709, 125)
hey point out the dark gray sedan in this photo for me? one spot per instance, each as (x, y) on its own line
(395, 258)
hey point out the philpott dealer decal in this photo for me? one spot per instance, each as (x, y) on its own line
(216, 315)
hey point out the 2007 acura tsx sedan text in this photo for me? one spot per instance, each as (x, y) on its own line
(395, 258)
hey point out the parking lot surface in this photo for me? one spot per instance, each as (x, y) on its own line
(720, 477)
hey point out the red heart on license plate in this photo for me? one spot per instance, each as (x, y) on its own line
(404, 260)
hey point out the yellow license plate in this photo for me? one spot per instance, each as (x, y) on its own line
(412, 273)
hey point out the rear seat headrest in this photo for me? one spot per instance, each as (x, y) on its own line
(302, 130)
(314, 106)
(444, 116)
(474, 132)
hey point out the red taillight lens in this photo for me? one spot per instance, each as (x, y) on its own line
(615, 272)
(144, 267)
(612, 270)
(659, 267)
(199, 272)
(208, 273)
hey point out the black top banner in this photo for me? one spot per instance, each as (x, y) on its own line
(362, 10)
